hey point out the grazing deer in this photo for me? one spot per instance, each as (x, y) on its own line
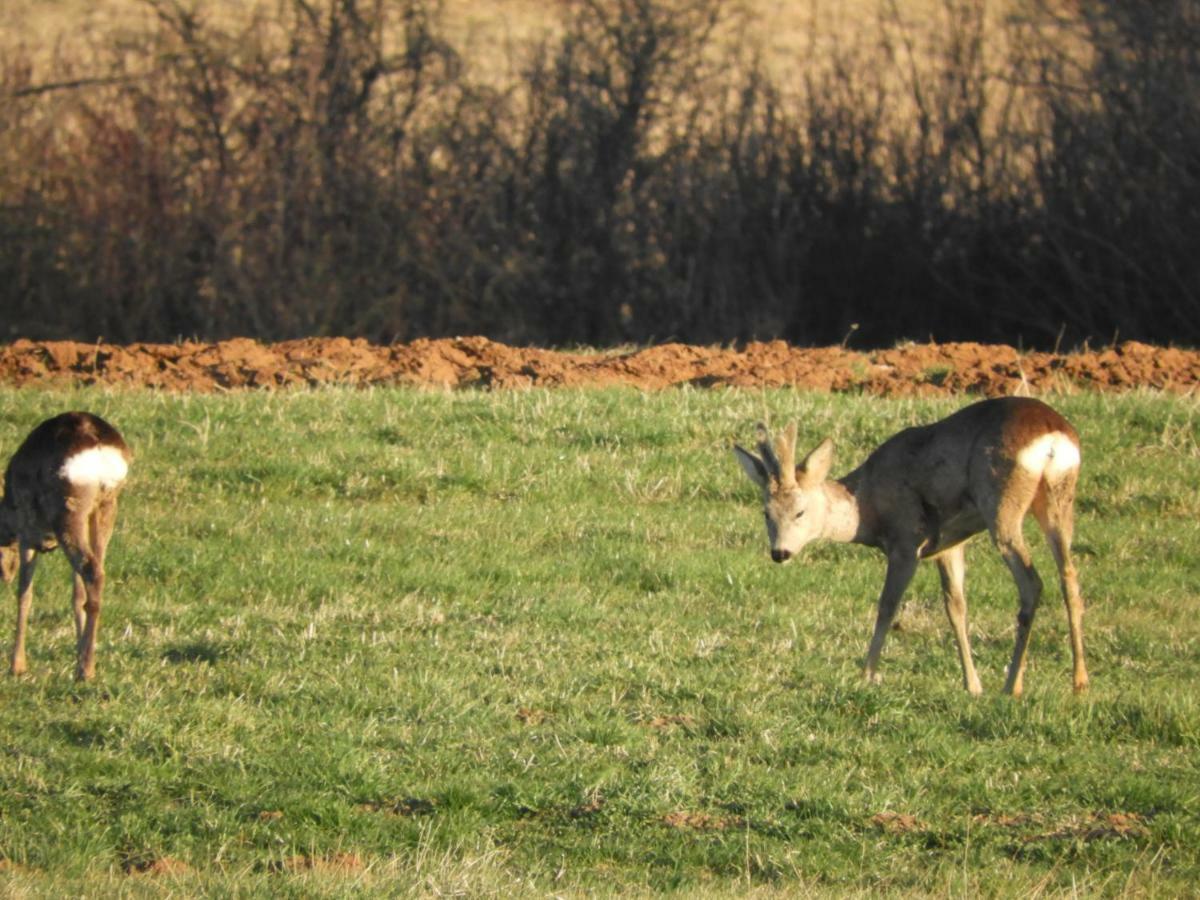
(61, 488)
(922, 493)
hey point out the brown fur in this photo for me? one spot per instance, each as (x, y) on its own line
(42, 510)
(924, 492)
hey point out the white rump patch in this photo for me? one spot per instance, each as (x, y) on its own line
(104, 466)
(1050, 455)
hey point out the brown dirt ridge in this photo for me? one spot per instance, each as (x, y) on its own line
(905, 370)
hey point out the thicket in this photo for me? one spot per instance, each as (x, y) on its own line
(338, 167)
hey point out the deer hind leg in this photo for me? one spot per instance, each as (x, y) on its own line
(1054, 509)
(100, 528)
(1010, 541)
(952, 568)
(76, 540)
(27, 564)
(78, 599)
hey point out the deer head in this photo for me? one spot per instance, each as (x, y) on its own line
(795, 504)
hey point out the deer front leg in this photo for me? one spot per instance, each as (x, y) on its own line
(952, 568)
(901, 567)
(27, 564)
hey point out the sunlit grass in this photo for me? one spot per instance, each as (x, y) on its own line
(529, 642)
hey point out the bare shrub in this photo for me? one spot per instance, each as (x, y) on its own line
(337, 168)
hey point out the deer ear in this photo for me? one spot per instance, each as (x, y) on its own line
(752, 466)
(816, 466)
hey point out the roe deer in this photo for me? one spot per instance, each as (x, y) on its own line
(922, 493)
(61, 488)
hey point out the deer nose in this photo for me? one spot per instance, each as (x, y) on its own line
(781, 555)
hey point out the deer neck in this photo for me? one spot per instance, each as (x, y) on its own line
(843, 522)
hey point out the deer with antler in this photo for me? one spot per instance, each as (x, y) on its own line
(60, 489)
(922, 493)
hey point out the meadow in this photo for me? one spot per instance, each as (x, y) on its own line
(530, 643)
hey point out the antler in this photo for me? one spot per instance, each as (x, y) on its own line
(780, 458)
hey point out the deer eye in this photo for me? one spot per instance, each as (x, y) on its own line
(799, 514)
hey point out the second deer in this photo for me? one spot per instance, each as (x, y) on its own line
(922, 493)
(60, 489)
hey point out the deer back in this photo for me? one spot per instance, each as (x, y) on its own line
(945, 480)
(71, 453)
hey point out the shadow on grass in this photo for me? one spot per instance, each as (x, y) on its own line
(194, 652)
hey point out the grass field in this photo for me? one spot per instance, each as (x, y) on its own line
(530, 643)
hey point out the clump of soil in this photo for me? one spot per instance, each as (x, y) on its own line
(156, 865)
(701, 821)
(337, 863)
(910, 369)
(896, 823)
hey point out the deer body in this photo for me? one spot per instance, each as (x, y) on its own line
(60, 489)
(926, 490)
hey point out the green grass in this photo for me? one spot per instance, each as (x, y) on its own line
(530, 643)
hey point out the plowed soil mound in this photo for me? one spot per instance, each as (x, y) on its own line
(465, 362)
